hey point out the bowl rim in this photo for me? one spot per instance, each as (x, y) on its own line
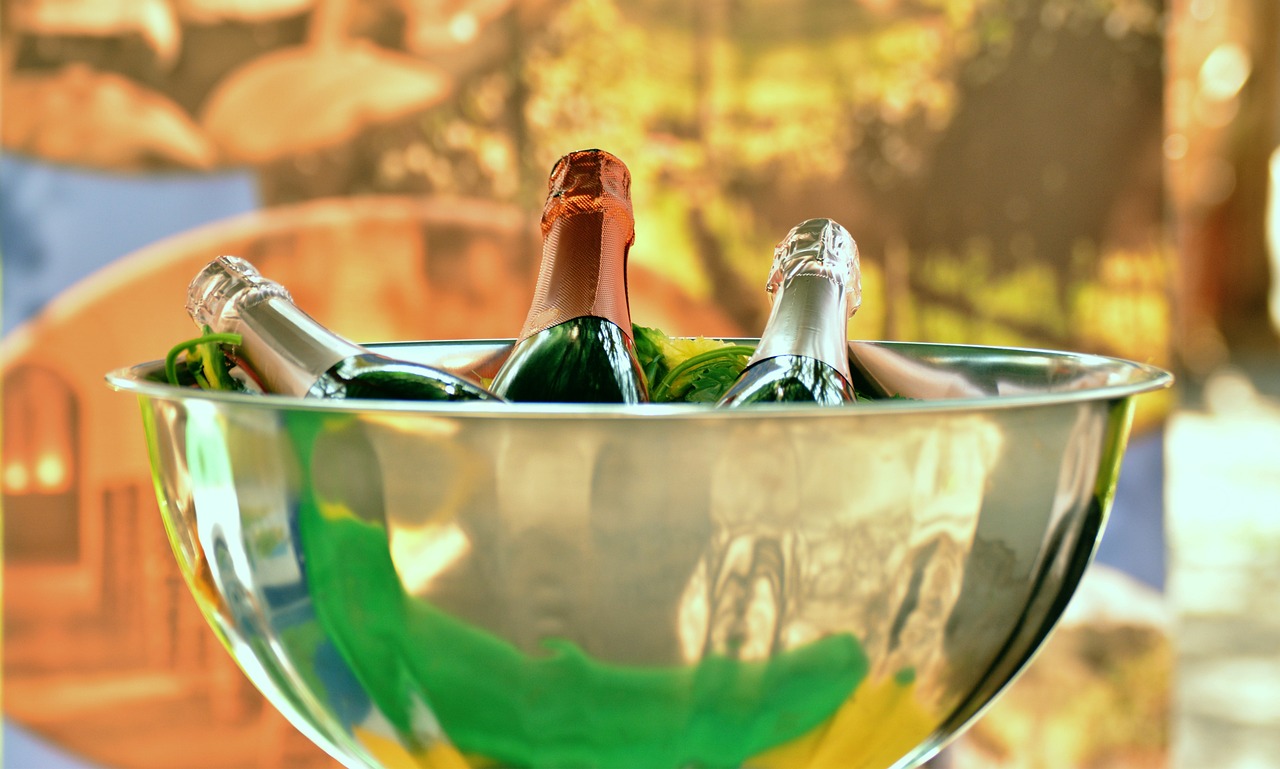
(1136, 378)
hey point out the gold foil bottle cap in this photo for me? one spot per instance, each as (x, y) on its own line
(587, 231)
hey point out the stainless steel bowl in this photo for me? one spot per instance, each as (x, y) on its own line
(474, 585)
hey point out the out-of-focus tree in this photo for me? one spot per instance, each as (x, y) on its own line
(1224, 121)
(998, 162)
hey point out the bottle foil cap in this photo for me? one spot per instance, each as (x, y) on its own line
(216, 294)
(822, 248)
(587, 231)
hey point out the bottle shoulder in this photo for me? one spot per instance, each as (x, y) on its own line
(790, 379)
(374, 376)
(582, 360)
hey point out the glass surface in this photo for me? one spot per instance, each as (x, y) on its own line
(789, 379)
(370, 376)
(584, 360)
(478, 584)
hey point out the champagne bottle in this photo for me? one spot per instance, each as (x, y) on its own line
(576, 345)
(803, 355)
(292, 354)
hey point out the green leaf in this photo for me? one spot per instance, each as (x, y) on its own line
(704, 377)
(205, 361)
(650, 343)
(688, 369)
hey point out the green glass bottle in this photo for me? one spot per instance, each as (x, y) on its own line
(803, 354)
(290, 353)
(576, 344)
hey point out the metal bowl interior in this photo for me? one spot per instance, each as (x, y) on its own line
(537, 585)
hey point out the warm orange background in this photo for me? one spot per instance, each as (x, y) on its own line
(998, 162)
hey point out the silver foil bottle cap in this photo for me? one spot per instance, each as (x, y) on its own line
(225, 284)
(823, 248)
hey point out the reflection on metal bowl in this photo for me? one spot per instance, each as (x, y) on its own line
(550, 585)
(130, 678)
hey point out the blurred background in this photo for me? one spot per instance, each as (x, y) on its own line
(1092, 175)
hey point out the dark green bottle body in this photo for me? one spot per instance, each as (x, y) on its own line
(789, 379)
(377, 377)
(583, 360)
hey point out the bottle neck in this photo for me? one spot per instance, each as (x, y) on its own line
(286, 348)
(808, 319)
(583, 272)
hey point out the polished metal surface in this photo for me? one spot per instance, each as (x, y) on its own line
(473, 584)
